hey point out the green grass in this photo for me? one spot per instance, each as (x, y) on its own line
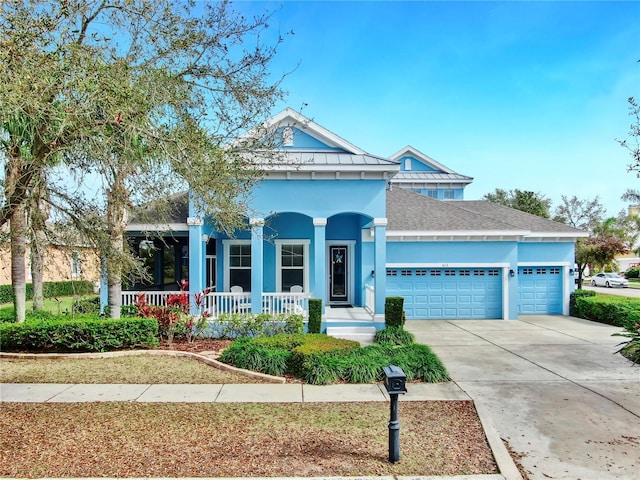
(54, 306)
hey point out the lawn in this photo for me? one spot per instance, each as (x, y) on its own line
(235, 440)
(128, 369)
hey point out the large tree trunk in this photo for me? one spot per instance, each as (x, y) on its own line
(117, 201)
(38, 247)
(38, 214)
(17, 226)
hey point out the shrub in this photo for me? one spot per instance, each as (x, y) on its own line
(393, 311)
(50, 289)
(631, 347)
(632, 273)
(315, 315)
(86, 305)
(238, 325)
(578, 294)
(618, 311)
(394, 336)
(78, 335)
(419, 363)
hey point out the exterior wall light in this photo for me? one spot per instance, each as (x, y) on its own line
(512, 273)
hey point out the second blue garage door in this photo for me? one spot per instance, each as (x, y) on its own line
(540, 290)
(447, 293)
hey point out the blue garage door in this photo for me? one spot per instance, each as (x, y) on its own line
(540, 290)
(447, 293)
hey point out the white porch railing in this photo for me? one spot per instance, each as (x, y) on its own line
(158, 298)
(218, 303)
(370, 298)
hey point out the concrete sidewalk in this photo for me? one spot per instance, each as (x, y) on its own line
(237, 393)
(553, 389)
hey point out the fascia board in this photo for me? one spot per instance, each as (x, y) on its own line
(567, 235)
(150, 227)
(457, 235)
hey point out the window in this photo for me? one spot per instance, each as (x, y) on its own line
(405, 273)
(407, 164)
(240, 265)
(554, 271)
(527, 271)
(76, 265)
(448, 194)
(541, 271)
(422, 272)
(449, 273)
(465, 273)
(435, 273)
(431, 193)
(478, 273)
(392, 273)
(493, 272)
(292, 258)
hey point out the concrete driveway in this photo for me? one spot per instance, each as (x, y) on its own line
(553, 389)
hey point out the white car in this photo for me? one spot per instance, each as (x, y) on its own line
(609, 280)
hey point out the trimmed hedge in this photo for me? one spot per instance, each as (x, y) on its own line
(315, 315)
(394, 311)
(78, 335)
(619, 311)
(50, 289)
(578, 294)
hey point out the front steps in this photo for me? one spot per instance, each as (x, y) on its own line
(364, 335)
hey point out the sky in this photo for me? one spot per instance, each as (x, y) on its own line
(518, 95)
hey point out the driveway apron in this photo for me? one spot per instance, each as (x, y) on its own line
(553, 388)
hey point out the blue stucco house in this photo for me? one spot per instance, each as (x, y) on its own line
(352, 228)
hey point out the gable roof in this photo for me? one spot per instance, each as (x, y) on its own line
(440, 174)
(412, 216)
(341, 160)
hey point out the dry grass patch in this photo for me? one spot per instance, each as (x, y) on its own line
(232, 440)
(127, 369)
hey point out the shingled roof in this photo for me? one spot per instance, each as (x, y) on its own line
(415, 215)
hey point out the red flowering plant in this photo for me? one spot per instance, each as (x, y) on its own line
(175, 318)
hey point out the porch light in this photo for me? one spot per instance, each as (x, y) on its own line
(512, 273)
(571, 271)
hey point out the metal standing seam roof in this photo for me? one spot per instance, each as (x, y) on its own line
(310, 160)
(431, 176)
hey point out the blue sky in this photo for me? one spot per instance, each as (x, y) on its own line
(528, 95)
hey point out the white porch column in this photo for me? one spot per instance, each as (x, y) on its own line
(257, 263)
(196, 259)
(380, 253)
(320, 252)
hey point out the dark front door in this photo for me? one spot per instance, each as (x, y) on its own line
(338, 274)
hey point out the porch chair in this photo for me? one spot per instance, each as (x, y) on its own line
(291, 305)
(241, 305)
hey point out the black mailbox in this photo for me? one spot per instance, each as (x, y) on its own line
(394, 380)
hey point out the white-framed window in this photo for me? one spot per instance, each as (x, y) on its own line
(448, 194)
(237, 264)
(76, 264)
(292, 264)
(407, 164)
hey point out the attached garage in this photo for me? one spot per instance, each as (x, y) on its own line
(447, 293)
(540, 290)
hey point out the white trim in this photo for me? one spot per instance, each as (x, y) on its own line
(226, 250)
(305, 242)
(152, 227)
(448, 265)
(545, 264)
(350, 244)
(505, 291)
(380, 222)
(319, 222)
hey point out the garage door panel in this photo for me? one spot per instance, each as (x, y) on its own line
(452, 293)
(540, 290)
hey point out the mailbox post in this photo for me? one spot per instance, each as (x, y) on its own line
(394, 382)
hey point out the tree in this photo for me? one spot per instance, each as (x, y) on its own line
(608, 240)
(137, 91)
(523, 200)
(632, 144)
(581, 214)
